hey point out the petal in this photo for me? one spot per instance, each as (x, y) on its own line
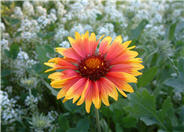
(60, 94)
(123, 76)
(81, 100)
(92, 44)
(114, 94)
(55, 75)
(92, 93)
(96, 99)
(64, 100)
(118, 39)
(125, 57)
(126, 44)
(69, 73)
(115, 50)
(85, 36)
(104, 45)
(77, 36)
(123, 93)
(78, 46)
(132, 47)
(76, 89)
(88, 105)
(69, 53)
(66, 86)
(71, 40)
(127, 88)
(105, 99)
(62, 83)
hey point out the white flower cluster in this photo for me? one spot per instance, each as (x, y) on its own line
(10, 110)
(22, 63)
(31, 100)
(52, 115)
(60, 34)
(65, 44)
(107, 29)
(2, 26)
(4, 44)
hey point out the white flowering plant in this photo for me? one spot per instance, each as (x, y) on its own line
(30, 30)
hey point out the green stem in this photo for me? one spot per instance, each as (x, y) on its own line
(97, 120)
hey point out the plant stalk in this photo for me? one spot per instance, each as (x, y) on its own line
(97, 120)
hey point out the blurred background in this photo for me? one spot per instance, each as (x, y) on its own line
(30, 30)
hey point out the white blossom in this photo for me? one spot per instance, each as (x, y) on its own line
(10, 111)
(2, 26)
(41, 11)
(28, 8)
(4, 44)
(31, 100)
(18, 12)
(52, 115)
(60, 34)
(65, 44)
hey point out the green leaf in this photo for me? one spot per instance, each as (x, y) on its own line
(82, 126)
(118, 128)
(13, 52)
(181, 113)
(73, 108)
(172, 31)
(148, 121)
(129, 122)
(136, 32)
(43, 51)
(99, 17)
(176, 83)
(143, 105)
(63, 123)
(5, 72)
(104, 126)
(147, 76)
(11, 21)
(166, 114)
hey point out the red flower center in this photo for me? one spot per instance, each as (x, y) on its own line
(93, 67)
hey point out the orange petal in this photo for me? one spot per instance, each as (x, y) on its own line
(95, 98)
(115, 50)
(60, 83)
(69, 53)
(123, 75)
(104, 45)
(76, 89)
(81, 100)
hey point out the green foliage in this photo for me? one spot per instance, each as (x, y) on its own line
(13, 52)
(82, 126)
(143, 105)
(136, 32)
(147, 77)
(177, 83)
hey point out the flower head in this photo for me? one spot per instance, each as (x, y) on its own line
(91, 74)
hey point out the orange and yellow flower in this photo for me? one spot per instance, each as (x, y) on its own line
(93, 70)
